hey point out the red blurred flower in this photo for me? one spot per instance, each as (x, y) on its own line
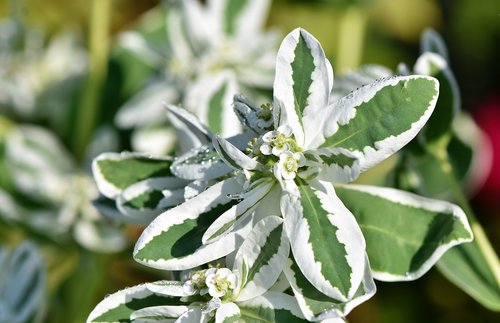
(487, 117)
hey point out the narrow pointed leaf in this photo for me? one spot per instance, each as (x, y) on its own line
(230, 219)
(210, 98)
(147, 106)
(167, 287)
(399, 251)
(191, 123)
(378, 119)
(448, 104)
(114, 172)
(119, 306)
(326, 241)
(262, 257)
(158, 313)
(271, 307)
(173, 241)
(233, 157)
(23, 285)
(432, 42)
(317, 306)
(244, 17)
(302, 84)
(465, 266)
(202, 163)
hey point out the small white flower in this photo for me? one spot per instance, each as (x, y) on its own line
(289, 164)
(221, 282)
(276, 142)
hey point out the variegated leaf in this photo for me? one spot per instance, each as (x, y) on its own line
(227, 312)
(448, 104)
(189, 126)
(210, 98)
(243, 17)
(147, 106)
(380, 118)
(251, 116)
(202, 163)
(326, 241)
(338, 165)
(233, 157)
(229, 220)
(118, 307)
(302, 85)
(143, 201)
(317, 306)
(167, 287)
(113, 172)
(397, 250)
(173, 241)
(270, 307)
(23, 284)
(261, 257)
(158, 314)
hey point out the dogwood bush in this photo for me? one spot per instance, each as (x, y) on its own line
(302, 242)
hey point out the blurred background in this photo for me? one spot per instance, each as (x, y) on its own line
(101, 77)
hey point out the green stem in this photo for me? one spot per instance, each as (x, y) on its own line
(352, 27)
(86, 114)
(479, 234)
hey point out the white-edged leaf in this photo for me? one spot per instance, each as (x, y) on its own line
(143, 201)
(252, 116)
(317, 306)
(158, 313)
(338, 165)
(227, 311)
(229, 220)
(326, 241)
(302, 85)
(189, 125)
(23, 284)
(167, 287)
(193, 314)
(210, 98)
(399, 251)
(173, 241)
(233, 157)
(147, 106)
(243, 17)
(378, 119)
(114, 172)
(202, 163)
(271, 307)
(119, 306)
(261, 257)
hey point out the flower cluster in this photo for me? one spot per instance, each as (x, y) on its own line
(279, 207)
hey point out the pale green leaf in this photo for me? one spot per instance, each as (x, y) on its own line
(405, 233)
(466, 267)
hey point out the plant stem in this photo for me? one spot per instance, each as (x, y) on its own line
(479, 234)
(86, 115)
(351, 36)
